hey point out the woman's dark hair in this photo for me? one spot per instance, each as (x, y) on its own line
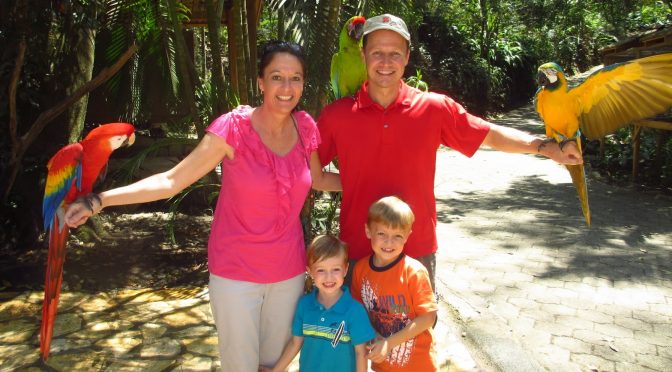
(273, 47)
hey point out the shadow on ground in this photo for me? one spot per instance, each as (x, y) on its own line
(137, 253)
(630, 236)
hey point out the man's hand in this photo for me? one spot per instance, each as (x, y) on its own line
(569, 154)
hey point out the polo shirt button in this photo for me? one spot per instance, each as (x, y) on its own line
(385, 125)
(322, 319)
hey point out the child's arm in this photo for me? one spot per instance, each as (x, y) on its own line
(382, 347)
(291, 349)
(361, 364)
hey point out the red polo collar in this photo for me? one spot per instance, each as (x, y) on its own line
(403, 97)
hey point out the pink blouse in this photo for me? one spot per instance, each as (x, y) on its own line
(256, 233)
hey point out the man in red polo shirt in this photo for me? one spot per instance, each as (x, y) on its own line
(386, 137)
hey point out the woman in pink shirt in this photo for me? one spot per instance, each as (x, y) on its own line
(256, 253)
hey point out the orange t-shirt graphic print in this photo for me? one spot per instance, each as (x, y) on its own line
(388, 318)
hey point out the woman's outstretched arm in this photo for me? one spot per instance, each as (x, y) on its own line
(209, 152)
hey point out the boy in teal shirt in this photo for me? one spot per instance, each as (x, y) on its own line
(330, 328)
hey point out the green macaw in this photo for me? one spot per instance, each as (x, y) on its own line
(348, 71)
(607, 100)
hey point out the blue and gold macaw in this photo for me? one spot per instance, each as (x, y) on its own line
(608, 99)
(348, 71)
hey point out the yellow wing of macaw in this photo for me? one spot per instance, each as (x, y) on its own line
(621, 93)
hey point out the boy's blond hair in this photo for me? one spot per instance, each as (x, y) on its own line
(393, 212)
(326, 246)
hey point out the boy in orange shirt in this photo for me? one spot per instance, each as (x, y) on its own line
(396, 292)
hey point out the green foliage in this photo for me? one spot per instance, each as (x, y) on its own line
(324, 215)
(655, 163)
(417, 82)
(146, 23)
(483, 53)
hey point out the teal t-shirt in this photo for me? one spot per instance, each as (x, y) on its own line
(330, 335)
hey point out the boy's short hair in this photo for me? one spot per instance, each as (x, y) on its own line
(393, 212)
(326, 246)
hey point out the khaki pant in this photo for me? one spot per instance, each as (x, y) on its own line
(253, 320)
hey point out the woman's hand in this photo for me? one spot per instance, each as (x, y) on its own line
(81, 209)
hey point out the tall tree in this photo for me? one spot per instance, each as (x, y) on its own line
(186, 68)
(214, 10)
(80, 42)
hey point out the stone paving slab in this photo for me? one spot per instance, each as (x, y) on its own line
(520, 266)
(128, 330)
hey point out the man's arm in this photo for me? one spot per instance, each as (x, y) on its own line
(512, 140)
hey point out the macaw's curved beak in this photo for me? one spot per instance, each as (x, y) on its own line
(130, 140)
(356, 31)
(542, 79)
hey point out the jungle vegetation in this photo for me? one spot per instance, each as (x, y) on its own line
(69, 65)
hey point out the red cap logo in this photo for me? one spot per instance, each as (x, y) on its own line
(386, 19)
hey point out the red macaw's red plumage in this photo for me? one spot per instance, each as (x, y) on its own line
(72, 172)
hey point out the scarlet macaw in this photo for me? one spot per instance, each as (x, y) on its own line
(348, 71)
(72, 171)
(607, 100)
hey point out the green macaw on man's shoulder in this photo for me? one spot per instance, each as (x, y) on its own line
(348, 71)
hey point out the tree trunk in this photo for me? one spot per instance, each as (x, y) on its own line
(82, 41)
(484, 28)
(253, 16)
(281, 24)
(214, 11)
(244, 46)
(183, 64)
(232, 52)
(238, 44)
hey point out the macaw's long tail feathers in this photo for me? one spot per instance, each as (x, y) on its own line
(578, 174)
(579, 180)
(58, 236)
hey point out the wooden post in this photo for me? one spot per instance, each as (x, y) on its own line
(636, 143)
